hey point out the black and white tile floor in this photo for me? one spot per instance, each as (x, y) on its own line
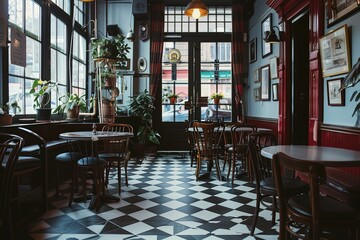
(163, 201)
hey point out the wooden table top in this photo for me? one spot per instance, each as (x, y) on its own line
(328, 156)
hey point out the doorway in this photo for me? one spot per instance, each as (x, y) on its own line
(198, 70)
(300, 80)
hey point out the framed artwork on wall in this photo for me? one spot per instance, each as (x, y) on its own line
(338, 10)
(265, 83)
(335, 97)
(334, 52)
(275, 94)
(266, 25)
(256, 76)
(257, 92)
(252, 50)
(274, 68)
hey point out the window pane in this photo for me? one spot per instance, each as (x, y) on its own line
(16, 12)
(33, 58)
(61, 66)
(33, 18)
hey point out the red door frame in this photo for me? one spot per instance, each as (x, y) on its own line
(287, 10)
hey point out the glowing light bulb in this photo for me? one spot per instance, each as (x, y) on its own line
(196, 13)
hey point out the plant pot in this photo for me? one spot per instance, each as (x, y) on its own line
(73, 113)
(216, 101)
(5, 119)
(138, 150)
(173, 100)
(43, 113)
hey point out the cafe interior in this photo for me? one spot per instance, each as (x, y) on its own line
(179, 119)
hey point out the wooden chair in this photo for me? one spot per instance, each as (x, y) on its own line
(69, 159)
(321, 215)
(262, 173)
(191, 141)
(117, 153)
(207, 137)
(239, 149)
(10, 147)
(30, 179)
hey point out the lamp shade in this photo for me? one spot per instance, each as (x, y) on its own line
(271, 37)
(87, 0)
(196, 9)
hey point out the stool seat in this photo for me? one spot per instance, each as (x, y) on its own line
(91, 161)
(69, 156)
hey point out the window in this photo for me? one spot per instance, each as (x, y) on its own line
(21, 78)
(79, 65)
(58, 56)
(26, 15)
(218, 20)
(63, 4)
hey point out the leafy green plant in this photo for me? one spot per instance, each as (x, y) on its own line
(69, 101)
(217, 95)
(172, 95)
(41, 91)
(114, 48)
(142, 106)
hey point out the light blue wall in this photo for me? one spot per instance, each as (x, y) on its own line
(341, 115)
(120, 13)
(264, 109)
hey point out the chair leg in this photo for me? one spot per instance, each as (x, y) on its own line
(273, 217)
(218, 168)
(119, 177)
(57, 180)
(197, 171)
(233, 169)
(256, 214)
(126, 173)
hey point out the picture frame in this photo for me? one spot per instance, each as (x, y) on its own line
(256, 76)
(266, 25)
(257, 92)
(339, 10)
(265, 83)
(335, 53)
(274, 68)
(275, 92)
(252, 50)
(335, 97)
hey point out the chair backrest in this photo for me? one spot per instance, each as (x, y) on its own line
(10, 147)
(314, 171)
(117, 146)
(263, 139)
(240, 135)
(207, 138)
(261, 166)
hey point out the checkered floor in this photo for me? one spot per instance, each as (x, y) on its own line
(163, 201)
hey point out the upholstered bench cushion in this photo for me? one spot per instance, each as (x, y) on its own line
(26, 162)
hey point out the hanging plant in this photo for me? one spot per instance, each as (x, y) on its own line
(112, 48)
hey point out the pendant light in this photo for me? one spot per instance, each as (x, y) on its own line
(196, 9)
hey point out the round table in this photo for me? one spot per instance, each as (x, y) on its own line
(95, 137)
(328, 156)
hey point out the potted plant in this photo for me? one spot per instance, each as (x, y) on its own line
(41, 91)
(114, 48)
(173, 97)
(142, 106)
(216, 97)
(5, 117)
(72, 104)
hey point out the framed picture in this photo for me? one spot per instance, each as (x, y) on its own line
(334, 52)
(337, 10)
(335, 97)
(265, 83)
(252, 50)
(273, 68)
(266, 25)
(257, 92)
(275, 88)
(256, 76)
